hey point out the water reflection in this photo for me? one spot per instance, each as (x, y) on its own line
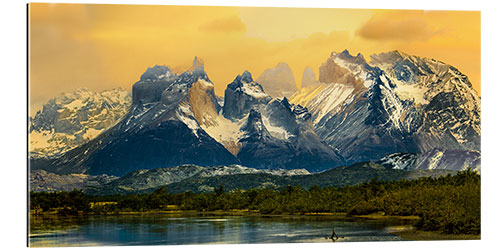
(51, 231)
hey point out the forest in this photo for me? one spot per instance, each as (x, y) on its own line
(448, 204)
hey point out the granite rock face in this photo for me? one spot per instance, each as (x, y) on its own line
(242, 95)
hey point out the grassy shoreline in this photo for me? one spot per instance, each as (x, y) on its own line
(420, 235)
(195, 212)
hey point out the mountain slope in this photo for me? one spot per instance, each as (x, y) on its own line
(43, 181)
(145, 180)
(337, 177)
(292, 143)
(451, 107)
(456, 160)
(185, 124)
(69, 120)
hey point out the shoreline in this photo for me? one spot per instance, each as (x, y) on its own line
(239, 212)
(250, 213)
(420, 235)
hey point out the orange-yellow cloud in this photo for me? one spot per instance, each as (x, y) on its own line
(387, 28)
(228, 24)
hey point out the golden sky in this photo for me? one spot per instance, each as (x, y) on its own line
(106, 46)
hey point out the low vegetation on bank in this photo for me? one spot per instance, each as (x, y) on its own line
(449, 204)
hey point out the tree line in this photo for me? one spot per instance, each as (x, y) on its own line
(450, 204)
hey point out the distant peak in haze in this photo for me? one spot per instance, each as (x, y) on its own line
(278, 81)
(282, 65)
(198, 65)
(308, 77)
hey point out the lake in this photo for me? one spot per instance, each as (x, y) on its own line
(166, 229)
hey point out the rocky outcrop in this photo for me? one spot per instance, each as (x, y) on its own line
(283, 138)
(242, 95)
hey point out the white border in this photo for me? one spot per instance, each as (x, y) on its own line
(13, 118)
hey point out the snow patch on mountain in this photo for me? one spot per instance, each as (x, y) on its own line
(449, 159)
(324, 99)
(226, 132)
(276, 131)
(412, 93)
(253, 90)
(249, 87)
(402, 161)
(306, 94)
(330, 99)
(185, 115)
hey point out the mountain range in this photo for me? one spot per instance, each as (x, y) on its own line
(397, 103)
(404, 111)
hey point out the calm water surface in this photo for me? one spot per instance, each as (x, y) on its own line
(163, 229)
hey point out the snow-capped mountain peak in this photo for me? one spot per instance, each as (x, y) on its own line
(241, 95)
(71, 119)
(157, 73)
(244, 83)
